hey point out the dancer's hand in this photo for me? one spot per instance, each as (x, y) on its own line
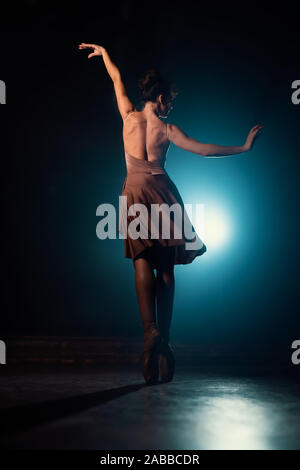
(98, 50)
(253, 134)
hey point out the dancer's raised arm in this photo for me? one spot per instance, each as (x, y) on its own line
(182, 140)
(124, 103)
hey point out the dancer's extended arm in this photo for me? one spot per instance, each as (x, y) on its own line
(124, 103)
(179, 138)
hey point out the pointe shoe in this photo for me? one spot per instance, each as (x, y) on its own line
(149, 358)
(166, 362)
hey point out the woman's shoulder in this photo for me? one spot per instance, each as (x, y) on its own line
(137, 115)
(129, 113)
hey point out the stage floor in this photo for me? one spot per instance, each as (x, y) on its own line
(109, 408)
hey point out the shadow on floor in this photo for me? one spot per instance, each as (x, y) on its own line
(23, 417)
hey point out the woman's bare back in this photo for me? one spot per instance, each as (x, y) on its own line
(145, 137)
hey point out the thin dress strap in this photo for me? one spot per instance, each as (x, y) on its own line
(130, 112)
(167, 130)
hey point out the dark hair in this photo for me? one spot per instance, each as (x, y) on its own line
(152, 84)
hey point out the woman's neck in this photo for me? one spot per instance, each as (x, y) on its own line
(150, 108)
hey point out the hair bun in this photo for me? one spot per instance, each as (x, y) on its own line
(150, 77)
(152, 84)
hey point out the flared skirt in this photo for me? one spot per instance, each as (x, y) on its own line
(149, 226)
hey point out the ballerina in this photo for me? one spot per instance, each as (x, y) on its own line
(146, 143)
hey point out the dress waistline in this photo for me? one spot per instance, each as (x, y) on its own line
(136, 165)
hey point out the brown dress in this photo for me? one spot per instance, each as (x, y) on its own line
(147, 182)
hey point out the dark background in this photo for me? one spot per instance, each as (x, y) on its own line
(62, 156)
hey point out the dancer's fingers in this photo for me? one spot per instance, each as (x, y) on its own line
(84, 45)
(90, 45)
(256, 128)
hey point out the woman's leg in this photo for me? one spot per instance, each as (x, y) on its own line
(165, 288)
(145, 284)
